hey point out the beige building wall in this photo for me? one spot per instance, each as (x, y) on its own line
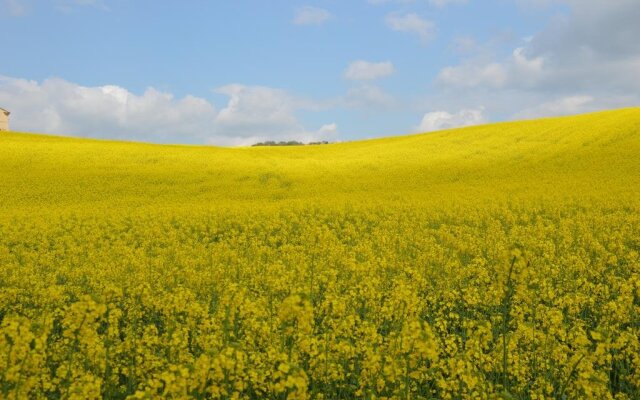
(4, 120)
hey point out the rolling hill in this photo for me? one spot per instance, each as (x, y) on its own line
(591, 155)
(498, 261)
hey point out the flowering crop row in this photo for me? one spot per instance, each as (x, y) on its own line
(375, 303)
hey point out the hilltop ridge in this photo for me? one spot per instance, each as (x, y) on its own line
(583, 155)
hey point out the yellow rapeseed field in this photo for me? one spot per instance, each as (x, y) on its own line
(499, 261)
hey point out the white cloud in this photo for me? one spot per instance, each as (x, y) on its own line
(564, 106)
(311, 16)
(368, 97)
(365, 95)
(328, 131)
(592, 49)
(471, 75)
(516, 71)
(412, 23)
(439, 120)
(365, 70)
(58, 106)
(258, 113)
(61, 107)
(529, 68)
(257, 110)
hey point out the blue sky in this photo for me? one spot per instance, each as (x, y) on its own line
(236, 72)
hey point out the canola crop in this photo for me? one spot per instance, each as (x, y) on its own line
(493, 262)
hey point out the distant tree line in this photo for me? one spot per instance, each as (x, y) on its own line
(288, 143)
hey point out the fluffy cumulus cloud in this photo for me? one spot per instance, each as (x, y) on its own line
(311, 16)
(365, 70)
(364, 94)
(516, 71)
(368, 97)
(563, 106)
(471, 74)
(585, 60)
(438, 120)
(412, 23)
(257, 113)
(58, 106)
(328, 131)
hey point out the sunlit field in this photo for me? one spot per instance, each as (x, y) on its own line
(499, 261)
